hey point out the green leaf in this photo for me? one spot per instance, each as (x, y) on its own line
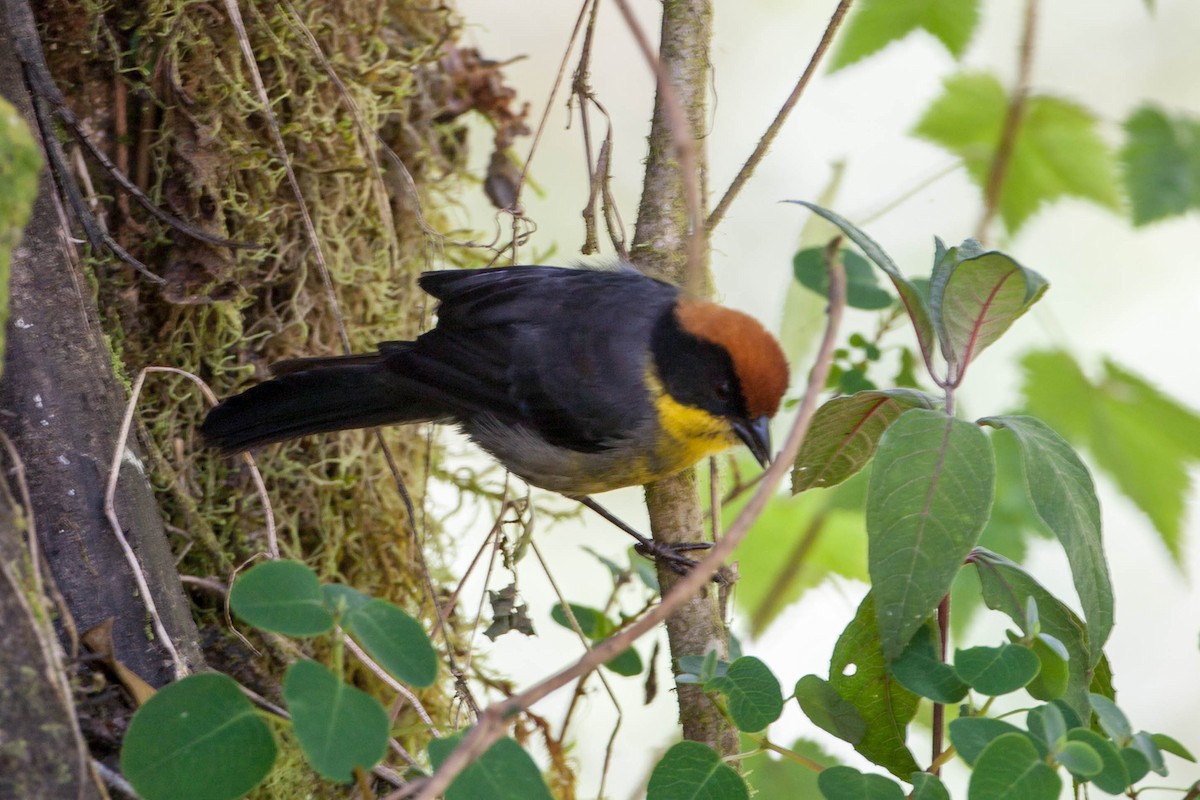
(862, 286)
(504, 772)
(980, 299)
(929, 497)
(1136, 762)
(281, 597)
(340, 598)
(592, 621)
(1139, 436)
(928, 787)
(876, 23)
(847, 783)
(822, 704)
(1057, 151)
(1065, 498)
(1144, 743)
(971, 736)
(338, 727)
(858, 672)
(845, 432)
(1047, 725)
(996, 670)
(920, 670)
(1054, 671)
(694, 771)
(1161, 161)
(1080, 759)
(396, 641)
(1010, 768)
(200, 725)
(755, 699)
(914, 302)
(1007, 588)
(1170, 745)
(1113, 776)
(1112, 719)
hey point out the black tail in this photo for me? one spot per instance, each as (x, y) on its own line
(361, 393)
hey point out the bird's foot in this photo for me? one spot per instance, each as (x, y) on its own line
(673, 554)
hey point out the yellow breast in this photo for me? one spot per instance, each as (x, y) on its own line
(688, 434)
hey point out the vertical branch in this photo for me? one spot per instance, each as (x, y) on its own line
(939, 710)
(670, 220)
(1012, 124)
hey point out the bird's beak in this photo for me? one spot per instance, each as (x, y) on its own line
(757, 436)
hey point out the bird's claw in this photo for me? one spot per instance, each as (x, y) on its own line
(672, 555)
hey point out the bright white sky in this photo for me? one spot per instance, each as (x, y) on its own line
(1134, 296)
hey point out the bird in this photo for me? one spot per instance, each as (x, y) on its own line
(577, 380)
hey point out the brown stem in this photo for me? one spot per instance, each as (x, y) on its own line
(939, 710)
(1012, 124)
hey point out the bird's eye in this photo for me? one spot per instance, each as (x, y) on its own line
(724, 391)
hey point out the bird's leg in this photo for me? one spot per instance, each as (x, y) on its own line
(670, 554)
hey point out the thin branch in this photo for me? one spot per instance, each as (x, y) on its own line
(494, 720)
(1012, 124)
(772, 131)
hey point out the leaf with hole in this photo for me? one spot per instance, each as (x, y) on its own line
(845, 432)
(859, 673)
(281, 597)
(202, 724)
(338, 727)
(691, 771)
(929, 496)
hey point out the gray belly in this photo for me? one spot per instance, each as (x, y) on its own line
(563, 470)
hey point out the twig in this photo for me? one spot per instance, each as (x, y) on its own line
(939, 710)
(392, 683)
(760, 150)
(494, 720)
(1012, 124)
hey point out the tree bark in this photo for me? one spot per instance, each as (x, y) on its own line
(660, 249)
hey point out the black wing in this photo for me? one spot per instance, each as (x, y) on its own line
(562, 351)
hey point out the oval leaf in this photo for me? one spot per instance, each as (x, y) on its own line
(338, 727)
(928, 499)
(928, 787)
(847, 783)
(755, 699)
(1171, 745)
(1064, 497)
(1136, 762)
(1051, 680)
(690, 770)
(1047, 725)
(395, 640)
(1010, 768)
(1080, 759)
(996, 670)
(340, 598)
(504, 772)
(971, 736)
(281, 597)
(1113, 776)
(821, 703)
(845, 432)
(202, 724)
(920, 670)
(859, 673)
